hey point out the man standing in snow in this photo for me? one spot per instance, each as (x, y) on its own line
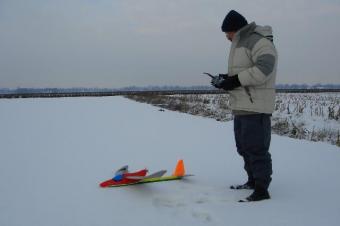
(251, 84)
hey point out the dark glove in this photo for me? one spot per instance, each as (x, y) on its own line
(230, 83)
(217, 81)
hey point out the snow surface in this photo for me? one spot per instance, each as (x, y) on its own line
(55, 152)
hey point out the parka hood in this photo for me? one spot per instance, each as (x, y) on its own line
(265, 31)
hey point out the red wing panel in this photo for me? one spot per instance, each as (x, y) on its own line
(111, 182)
(140, 173)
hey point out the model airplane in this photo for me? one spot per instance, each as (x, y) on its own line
(123, 177)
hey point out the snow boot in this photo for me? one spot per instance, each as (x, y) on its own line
(259, 194)
(249, 186)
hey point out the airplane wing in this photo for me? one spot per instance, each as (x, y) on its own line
(156, 174)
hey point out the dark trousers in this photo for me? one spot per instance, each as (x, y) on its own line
(252, 136)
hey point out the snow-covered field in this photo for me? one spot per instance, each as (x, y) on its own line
(55, 152)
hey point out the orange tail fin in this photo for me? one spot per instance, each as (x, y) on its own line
(179, 170)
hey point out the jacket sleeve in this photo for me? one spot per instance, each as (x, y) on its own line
(264, 57)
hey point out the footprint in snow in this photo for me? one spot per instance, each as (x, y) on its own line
(201, 215)
(167, 202)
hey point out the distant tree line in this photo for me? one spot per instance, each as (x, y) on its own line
(86, 90)
(306, 86)
(150, 88)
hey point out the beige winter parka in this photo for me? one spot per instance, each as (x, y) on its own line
(254, 58)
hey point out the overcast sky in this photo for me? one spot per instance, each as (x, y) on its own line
(118, 43)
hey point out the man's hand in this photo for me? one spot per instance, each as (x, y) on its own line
(223, 81)
(231, 83)
(217, 81)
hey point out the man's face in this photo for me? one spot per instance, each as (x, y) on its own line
(230, 35)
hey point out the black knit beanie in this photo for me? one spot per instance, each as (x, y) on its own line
(233, 22)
